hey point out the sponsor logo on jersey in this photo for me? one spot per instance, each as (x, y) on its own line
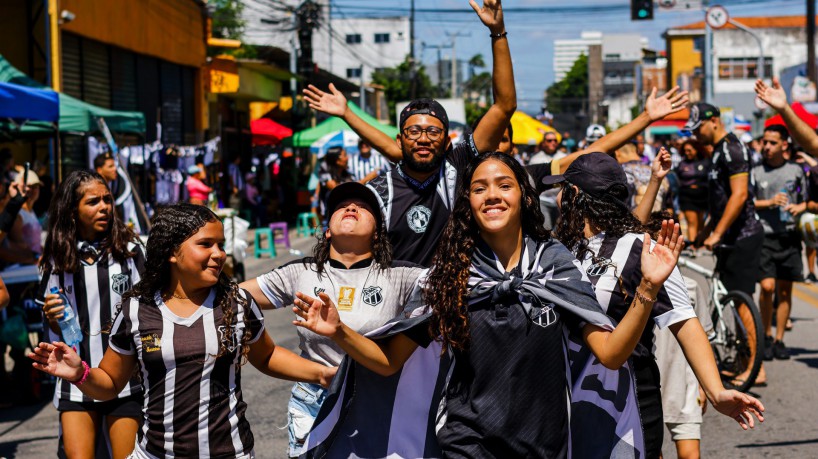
(418, 218)
(372, 295)
(151, 343)
(120, 283)
(345, 298)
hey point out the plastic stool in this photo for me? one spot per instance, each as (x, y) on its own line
(271, 246)
(304, 224)
(285, 233)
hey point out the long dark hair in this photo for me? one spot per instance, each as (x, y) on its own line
(697, 146)
(577, 206)
(381, 248)
(447, 286)
(60, 250)
(172, 226)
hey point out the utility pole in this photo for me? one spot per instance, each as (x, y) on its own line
(363, 90)
(811, 40)
(424, 46)
(307, 16)
(329, 36)
(454, 36)
(412, 31)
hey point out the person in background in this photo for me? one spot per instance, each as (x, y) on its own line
(367, 164)
(812, 191)
(645, 151)
(548, 149)
(639, 176)
(12, 201)
(569, 143)
(197, 191)
(26, 233)
(693, 187)
(331, 173)
(254, 200)
(236, 182)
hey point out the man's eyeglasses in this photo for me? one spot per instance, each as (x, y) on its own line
(433, 133)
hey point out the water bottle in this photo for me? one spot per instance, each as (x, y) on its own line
(70, 327)
(784, 215)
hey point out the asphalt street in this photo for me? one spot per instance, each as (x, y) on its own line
(791, 398)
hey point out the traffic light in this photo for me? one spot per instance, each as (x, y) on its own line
(641, 10)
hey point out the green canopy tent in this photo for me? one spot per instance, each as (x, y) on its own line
(307, 137)
(75, 115)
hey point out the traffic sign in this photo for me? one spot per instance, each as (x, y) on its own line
(716, 16)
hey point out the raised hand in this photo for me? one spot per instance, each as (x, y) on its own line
(740, 407)
(318, 315)
(657, 264)
(773, 96)
(332, 103)
(491, 14)
(661, 164)
(670, 102)
(57, 359)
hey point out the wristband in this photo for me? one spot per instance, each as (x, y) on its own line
(9, 214)
(498, 35)
(85, 374)
(638, 296)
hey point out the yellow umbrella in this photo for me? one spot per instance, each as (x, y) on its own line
(529, 131)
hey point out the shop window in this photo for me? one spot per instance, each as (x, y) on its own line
(353, 39)
(381, 38)
(354, 72)
(743, 68)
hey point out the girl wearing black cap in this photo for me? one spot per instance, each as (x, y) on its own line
(500, 294)
(352, 263)
(607, 239)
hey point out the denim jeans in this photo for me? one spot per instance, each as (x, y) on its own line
(305, 401)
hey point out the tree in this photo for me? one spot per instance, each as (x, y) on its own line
(227, 18)
(571, 93)
(397, 84)
(476, 62)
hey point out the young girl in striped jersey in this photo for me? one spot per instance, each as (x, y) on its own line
(187, 329)
(93, 258)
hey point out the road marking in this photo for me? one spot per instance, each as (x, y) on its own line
(806, 293)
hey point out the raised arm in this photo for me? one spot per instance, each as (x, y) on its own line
(334, 103)
(656, 108)
(383, 357)
(658, 171)
(776, 98)
(489, 132)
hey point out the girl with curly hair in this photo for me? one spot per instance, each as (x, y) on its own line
(93, 258)
(187, 330)
(501, 292)
(597, 225)
(351, 262)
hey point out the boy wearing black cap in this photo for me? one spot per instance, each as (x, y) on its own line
(733, 221)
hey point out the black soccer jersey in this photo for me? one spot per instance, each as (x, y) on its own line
(616, 271)
(730, 159)
(416, 214)
(94, 292)
(193, 402)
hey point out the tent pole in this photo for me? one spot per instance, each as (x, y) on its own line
(58, 151)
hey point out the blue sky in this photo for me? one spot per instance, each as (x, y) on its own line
(532, 33)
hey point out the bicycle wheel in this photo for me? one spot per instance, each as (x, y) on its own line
(737, 341)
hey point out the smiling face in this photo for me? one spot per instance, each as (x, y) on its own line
(423, 154)
(352, 217)
(95, 210)
(200, 259)
(495, 198)
(690, 152)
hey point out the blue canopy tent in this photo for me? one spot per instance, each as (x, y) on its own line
(21, 104)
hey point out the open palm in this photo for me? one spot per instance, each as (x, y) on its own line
(774, 95)
(58, 360)
(657, 264)
(318, 315)
(669, 102)
(491, 13)
(332, 103)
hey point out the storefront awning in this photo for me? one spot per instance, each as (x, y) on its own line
(22, 104)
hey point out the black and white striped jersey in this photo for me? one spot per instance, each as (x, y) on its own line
(193, 401)
(616, 268)
(95, 291)
(360, 167)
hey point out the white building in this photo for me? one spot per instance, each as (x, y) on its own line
(566, 52)
(340, 45)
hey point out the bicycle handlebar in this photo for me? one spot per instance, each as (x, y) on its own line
(687, 263)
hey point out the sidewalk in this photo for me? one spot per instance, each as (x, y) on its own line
(254, 267)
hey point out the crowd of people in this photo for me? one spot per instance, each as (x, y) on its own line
(496, 303)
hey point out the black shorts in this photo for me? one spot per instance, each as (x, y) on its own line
(781, 258)
(649, 398)
(694, 199)
(125, 407)
(737, 264)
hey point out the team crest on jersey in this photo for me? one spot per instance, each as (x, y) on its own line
(230, 342)
(69, 289)
(120, 283)
(318, 290)
(545, 316)
(418, 218)
(151, 343)
(372, 295)
(600, 267)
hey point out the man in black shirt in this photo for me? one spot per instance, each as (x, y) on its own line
(733, 220)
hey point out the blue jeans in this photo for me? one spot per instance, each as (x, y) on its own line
(305, 401)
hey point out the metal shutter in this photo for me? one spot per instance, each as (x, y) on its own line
(71, 65)
(96, 70)
(123, 80)
(147, 91)
(171, 93)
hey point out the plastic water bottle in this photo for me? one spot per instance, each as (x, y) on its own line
(70, 327)
(784, 215)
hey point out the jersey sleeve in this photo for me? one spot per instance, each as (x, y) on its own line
(279, 284)
(254, 319)
(463, 152)
(736, 161)
(540, 171)
(121, 340)
(412, 281)
(139, 258)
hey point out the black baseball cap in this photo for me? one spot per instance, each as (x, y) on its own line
(429, 107)
(357, 191)
(698, 113)
(598, 175)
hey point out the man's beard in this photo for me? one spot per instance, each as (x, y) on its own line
(422, 166)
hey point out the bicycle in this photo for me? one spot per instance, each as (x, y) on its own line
(737, 336)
